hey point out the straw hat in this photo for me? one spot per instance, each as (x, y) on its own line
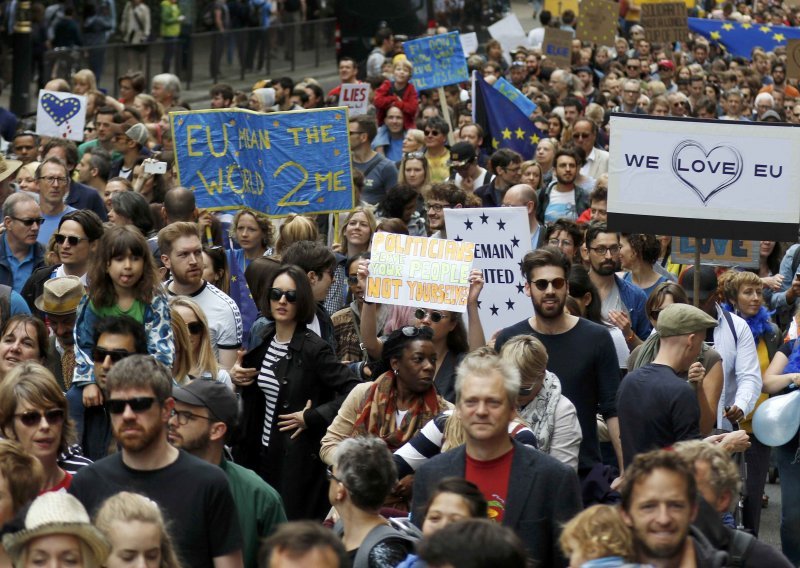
(61, 295)
(8, 167)
(57, 513)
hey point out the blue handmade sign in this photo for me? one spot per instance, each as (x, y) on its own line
(277, 163)
(438, 60)
(513, 94)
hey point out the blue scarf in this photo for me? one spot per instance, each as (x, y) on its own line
(759, 323)
(793, 366)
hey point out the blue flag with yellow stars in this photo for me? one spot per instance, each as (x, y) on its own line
(240, 293)
(741, 38)
(505, 125)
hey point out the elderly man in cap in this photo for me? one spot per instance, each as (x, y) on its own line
(204, 417)
(59, 302)
(464, 162)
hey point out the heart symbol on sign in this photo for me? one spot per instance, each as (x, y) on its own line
(60, 110)
(706, 172)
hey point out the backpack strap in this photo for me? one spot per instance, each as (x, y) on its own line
(373, 538)
(729, 319)
(740, 546)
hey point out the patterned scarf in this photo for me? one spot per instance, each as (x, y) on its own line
(376, 416)
(540, 413)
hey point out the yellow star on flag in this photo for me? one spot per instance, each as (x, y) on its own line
(321, 200)
(520, 134)
(495, 143)
(276, 124)
(336, 151)
(764, 29)
(337, 116)
(779, 37)
(233, 278)
(727, 27)
(746, 26)
(716, 35)
(534, 138)
(506, 134)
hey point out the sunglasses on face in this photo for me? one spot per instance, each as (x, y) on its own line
(195, 327)
(352, 279)
(31, 221)
(137, 404)
(71, 239)
(99, 354)
(431, 133)
(542, 283)
(34, 417)
(435, 316)
(275, 294)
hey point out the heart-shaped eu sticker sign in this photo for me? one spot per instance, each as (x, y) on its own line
(706, 172)
(60, 110)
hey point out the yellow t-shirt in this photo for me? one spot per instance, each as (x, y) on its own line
(439, 167)
(763, 362)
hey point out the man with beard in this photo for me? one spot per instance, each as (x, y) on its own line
(182, 254)
(562, 199)
(623, 304)
(194, 495)
(581, 353)
(204, 418)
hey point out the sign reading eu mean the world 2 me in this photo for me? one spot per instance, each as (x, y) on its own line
(438, 61)
(277, 163)
(715, 179)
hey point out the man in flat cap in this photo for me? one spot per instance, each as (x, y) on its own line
(59, 302)
(656, 406)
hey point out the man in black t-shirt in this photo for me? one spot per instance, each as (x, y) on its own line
(581, 353)
(194, 495)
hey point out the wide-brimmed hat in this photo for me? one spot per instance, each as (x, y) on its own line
(61, 295)
(8, 167)
(57, 513)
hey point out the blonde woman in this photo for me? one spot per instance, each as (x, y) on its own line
(295, 228)
(83, 82)
(151, 111)
(26, 180)
(203, 363)
(182, 364)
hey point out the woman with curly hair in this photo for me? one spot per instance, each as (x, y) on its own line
(638, 253)
(254, 233)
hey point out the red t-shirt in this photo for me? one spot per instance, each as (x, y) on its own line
(491, 477)
(63, 486)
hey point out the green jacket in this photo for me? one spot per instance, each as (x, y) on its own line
(170, 24)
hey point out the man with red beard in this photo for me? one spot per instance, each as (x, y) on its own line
(194, 495)
(581, 353)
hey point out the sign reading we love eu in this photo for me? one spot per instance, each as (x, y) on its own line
(714, 179)
(60, 115)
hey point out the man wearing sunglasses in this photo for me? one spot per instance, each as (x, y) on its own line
(584, 135)
(467, 174)
(193, 494)
(20, 253)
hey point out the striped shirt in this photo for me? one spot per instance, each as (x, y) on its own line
(269, 385)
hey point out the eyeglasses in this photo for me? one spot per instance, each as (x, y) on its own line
(437, 207)
(54, 180)
(432, 133)
(184, 416)
(29, 222)
(629, 92)
(31, 418)
(137, 404)
(88, 128)
(195, 327)
(329, 474)
(71, 239)
(99, 354)
(602, 251)
(276, 294)
(542, 283)
(435, 316)
(352, 279)
(526, 391)
(562, 243)
(581, 135)
(414, 155)
(351, 132)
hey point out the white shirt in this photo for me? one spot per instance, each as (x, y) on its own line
(224, 319)
(589, 160)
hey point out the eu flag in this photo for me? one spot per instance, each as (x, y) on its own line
(741, 38)
(240, 293)
(506, 126)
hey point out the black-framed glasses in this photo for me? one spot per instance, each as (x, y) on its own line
(54, 180)
(28, 222)
(542, 284)
(581, 135)
(432, 133)
(352, 132)
(437, 207)
(435, 315)
(184, 416)
(195, 327)
(602, 250)
(275, 294)
(329, 474)
(99, 354)
(352, 279)
(71, 239)
(138, 404)
(54, 416)
(88, 128)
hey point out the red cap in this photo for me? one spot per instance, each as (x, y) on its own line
(666, 64)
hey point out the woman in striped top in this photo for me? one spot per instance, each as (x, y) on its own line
(292, 386)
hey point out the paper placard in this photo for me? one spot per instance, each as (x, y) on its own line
(438, 61)
(502, 238)
(665, 22)
(793, 59)
(509, 33)
(704, 178)
(717, 252)
(557, 47)
(355, 96)
(60, 115)
(469, 43)
(419, 272)
(598, 21)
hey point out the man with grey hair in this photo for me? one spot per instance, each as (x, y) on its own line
(523, 195)
(20, 254)
(528, 491)
(166, 89)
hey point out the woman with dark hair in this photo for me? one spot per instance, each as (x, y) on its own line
(769, 269)
(567, 236)
(22, 338)
(215, 268)
(130, 208)
(638, 253)
(291, 388)
(400, 202)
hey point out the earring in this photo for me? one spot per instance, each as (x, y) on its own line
(395, 372)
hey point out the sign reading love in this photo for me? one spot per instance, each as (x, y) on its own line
(61, 115)
(60, 110)
(706, 172)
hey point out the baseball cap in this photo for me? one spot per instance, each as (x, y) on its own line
(217, 397)
(461, 153)
(666, 64)
(138, 133)
(708, 282)
(683, 319)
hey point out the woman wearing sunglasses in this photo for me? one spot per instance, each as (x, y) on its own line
(33, 412)
(396, 405)
(201, 355)
(291, 387)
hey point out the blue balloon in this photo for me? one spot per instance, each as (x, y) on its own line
(777, 419)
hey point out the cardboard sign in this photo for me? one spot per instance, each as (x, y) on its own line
(438, 61)
(60, 115)
(665, 22)
(502, 238)
(419, 272)
(558, 7)
(557, 47)
(469, 43)
(704, 178)
(598, 21)
(355, 96)
(793, 59)
(277, 163)
(717, 252)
